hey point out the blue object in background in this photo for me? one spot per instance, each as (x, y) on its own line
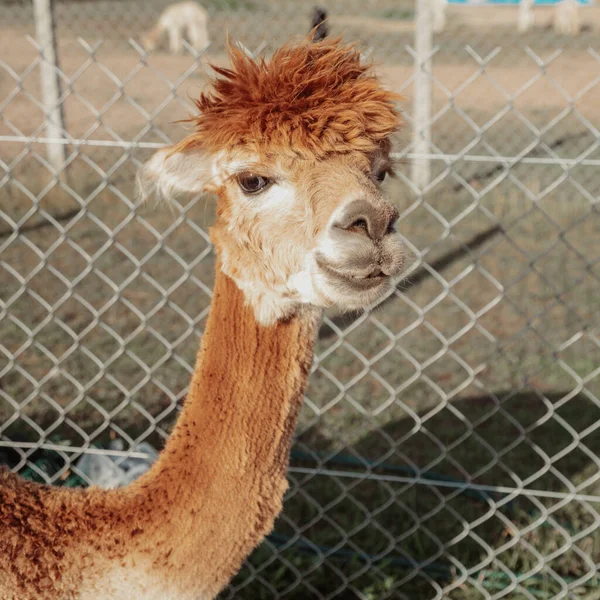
(513, 2)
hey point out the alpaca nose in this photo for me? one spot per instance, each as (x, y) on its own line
(364, 218)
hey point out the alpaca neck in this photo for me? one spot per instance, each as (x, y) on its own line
(220, 480)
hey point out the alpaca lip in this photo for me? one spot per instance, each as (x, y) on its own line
(360, 282)
(377, 274)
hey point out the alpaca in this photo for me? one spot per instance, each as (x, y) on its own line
(295, 148)
(176, 20)
(319, 26)
(566, 18)
(526, 18)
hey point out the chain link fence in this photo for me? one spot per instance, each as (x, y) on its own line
(449, 443)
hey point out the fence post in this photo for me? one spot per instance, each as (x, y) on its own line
(50, 82)
(421, 167)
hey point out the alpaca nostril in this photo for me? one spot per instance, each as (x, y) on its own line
(368, 218)
(393, 219)
(391, 228)
(359, 224)
(356, 224)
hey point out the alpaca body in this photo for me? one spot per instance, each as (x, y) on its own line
(566, 18)
(176, 22)
(301, 224)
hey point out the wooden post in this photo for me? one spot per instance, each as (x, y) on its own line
(421, 167)
(50, 81)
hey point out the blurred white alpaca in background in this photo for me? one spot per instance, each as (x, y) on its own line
(566, 18)
(187, 19)
(526, 18)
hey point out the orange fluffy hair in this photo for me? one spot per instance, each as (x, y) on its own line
(310, 99)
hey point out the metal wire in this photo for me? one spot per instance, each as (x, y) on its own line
(449, 158)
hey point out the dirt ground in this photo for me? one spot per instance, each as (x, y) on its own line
(482, 367)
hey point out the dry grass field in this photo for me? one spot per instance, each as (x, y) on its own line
(483, 367)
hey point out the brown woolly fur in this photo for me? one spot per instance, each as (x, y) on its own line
(314, 98)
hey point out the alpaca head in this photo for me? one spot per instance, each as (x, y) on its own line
(295, 149)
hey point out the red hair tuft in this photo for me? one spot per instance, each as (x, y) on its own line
(309, 99)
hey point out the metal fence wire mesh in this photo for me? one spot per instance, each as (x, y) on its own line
(449, 442)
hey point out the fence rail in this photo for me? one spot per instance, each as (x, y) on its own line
(449, 443)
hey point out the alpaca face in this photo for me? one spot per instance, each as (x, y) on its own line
(293, 231)
(296, 149)
(300, 231)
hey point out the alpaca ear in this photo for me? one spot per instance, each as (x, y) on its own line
(170, 173)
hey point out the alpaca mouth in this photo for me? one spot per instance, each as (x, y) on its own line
(360, 274)
(356, 281)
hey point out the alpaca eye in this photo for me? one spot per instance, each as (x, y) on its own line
(380, 176)
(251, 183)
